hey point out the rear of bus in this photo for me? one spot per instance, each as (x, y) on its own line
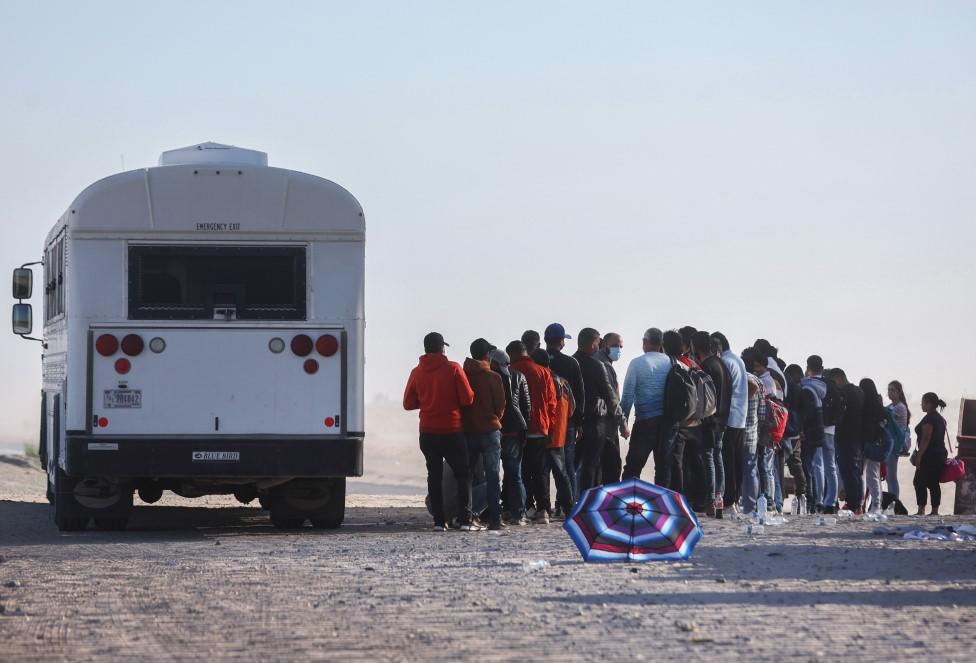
(236, 366)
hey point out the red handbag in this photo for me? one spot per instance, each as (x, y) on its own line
(954, 468)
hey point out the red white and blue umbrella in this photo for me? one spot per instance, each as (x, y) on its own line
(634, 521)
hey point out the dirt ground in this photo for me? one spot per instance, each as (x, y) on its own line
(212, 579)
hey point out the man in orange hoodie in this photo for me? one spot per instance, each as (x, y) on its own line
(542, 391)
(482, 422)
(439, 389)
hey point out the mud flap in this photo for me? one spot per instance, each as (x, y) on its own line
(77, 500)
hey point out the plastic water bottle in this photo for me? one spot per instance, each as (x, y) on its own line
(795, 506)
(803, 505)
(536, 565)
(753, 529)
(761, 505)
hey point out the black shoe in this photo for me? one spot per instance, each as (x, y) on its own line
(829, 510)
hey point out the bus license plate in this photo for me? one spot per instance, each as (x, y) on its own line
(123, 398)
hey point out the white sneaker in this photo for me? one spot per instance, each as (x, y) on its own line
(472, 527)
(439, 528)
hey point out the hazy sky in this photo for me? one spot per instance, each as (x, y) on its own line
(798, 172)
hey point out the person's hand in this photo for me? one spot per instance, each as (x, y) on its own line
(625, 432)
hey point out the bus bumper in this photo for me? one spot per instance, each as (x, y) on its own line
(257, 456)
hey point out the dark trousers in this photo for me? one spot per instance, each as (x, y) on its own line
(927, 479)
(534, 466)
(650, 436)
(678, 460)
(697, 457)
(556, 463)
(732, 449)
(451, 448)
(589, 451)
(513, 489)
(572, 467)
(610, 466)
(791, 455)
(850, 462)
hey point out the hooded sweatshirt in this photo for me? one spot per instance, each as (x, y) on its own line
(485, 413)
(810, 402)
(439, 389)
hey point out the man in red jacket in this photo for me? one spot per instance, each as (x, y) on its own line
(542, 394)
(439, 389)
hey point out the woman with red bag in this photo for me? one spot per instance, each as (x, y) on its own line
(931, 454)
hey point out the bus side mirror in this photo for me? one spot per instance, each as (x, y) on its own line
(23, 283)
(23, 319)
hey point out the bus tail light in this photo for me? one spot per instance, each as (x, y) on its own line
(301, 345)
(106, 345)
(327, 345)
(122, 366)
(132, 344)
(311, 366)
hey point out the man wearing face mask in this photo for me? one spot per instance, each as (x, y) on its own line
(611, 346)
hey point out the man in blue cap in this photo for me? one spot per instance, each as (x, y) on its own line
(568, 369)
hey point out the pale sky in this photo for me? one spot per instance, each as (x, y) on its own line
(802, 173)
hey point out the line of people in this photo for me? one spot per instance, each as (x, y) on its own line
(721, 427)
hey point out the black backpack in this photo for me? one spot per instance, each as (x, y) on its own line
(680, 394)
(834, 404)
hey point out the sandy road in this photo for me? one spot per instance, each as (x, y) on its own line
(218, 582)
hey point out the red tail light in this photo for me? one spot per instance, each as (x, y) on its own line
(311, 366)
(122, 366)
(301, 345)
(132, 344)
(106, 345)
(327, 345)
(329, 422)
(102, 422)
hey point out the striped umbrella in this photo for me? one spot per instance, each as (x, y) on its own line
(633, 520)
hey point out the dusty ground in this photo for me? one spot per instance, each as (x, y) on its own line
(216, 581)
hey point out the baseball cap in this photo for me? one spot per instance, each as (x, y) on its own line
(434, 342)
(480, 347)
(555, 330)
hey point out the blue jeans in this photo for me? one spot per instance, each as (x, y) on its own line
(489, 447)
(750, 479)
(829, 455)
(813, 466)
(891, 465)
(718, 432)
(766, 469)
(512, 450)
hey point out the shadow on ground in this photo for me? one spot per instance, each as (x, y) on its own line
(29, 523)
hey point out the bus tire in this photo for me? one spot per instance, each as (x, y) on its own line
(111, 524)
(283, 521)
(68, 515)
(334, 513)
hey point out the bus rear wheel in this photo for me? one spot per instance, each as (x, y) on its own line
(321, 501)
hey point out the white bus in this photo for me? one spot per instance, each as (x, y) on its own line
(203, 334)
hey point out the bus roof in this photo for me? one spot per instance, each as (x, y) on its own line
(211, 192)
